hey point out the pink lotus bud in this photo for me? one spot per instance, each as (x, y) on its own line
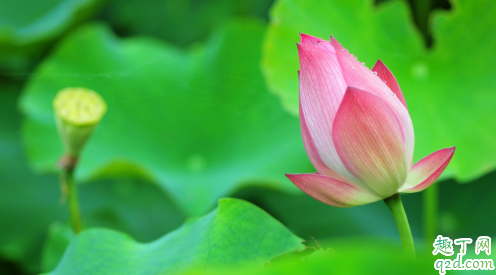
(356, 130)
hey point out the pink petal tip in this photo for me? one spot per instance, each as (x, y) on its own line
(331, 191)
(427, 170)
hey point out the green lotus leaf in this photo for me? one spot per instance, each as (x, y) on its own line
(28, 27)
(343, 256)
(200, 122)
(235, 233)
(192, 20)
(29, 202)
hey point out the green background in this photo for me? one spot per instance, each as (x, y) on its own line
(202, 105)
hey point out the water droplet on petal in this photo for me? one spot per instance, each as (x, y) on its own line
(363, 63)
(384, 82)
(375, 73)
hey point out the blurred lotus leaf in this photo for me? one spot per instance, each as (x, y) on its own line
(28, 27)
(342, 256)
(198, 122)
(235, 233)
(179, 22)
(29, 203)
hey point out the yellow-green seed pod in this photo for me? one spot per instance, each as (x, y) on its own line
(77, 112)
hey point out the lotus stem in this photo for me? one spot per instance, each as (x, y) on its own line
(67, 165)
(394, 203)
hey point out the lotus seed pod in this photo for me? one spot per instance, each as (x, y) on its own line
(77, 112)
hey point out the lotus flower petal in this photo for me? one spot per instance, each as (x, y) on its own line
(356, 129)
(369, 141)
(358, 76)
(312, 152)
(315, 41)
(427, 170)
(331, 191)
(385, 75)
(321, 91)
